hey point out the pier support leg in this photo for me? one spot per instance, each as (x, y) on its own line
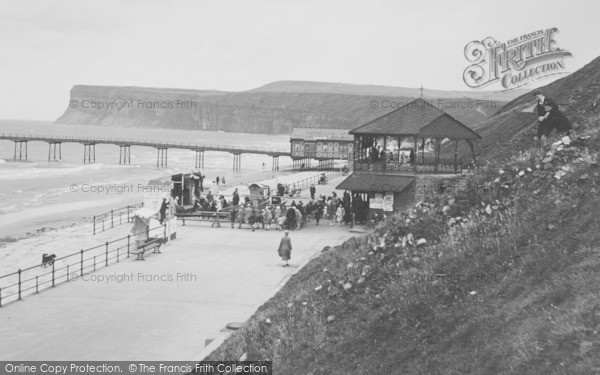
(161, 157)
(22, 147)
(237, 162)
(200, 159)
(89, 153)
(52, 148)
(124, 154)
(275, 163)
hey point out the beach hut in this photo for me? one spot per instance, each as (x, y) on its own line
(259, 193)
(187, 186)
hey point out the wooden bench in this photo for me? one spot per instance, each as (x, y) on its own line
(151, 244)
(214, 217)
(295, 193)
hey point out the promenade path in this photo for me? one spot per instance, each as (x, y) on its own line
(224, 275)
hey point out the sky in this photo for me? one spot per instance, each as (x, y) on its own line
(49, 46)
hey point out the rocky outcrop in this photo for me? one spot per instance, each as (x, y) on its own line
(268, 112)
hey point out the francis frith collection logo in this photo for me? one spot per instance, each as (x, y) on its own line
(514, 63)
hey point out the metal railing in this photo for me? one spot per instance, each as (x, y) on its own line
(32, 280)
(428, 165)
(313, 180)
(139, 142)
(112, 218)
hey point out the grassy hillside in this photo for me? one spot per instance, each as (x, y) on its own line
(499, 279)
(506, 283)
(514, 126)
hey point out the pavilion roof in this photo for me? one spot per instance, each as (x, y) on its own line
(317, 134)
(417, 118)
(375, 182)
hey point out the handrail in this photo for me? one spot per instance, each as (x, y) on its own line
(79, 266)
(112, 213)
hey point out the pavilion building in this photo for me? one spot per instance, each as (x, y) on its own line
(394, 153)
(322, 144)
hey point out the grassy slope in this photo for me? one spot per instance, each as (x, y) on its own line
(531, 305)
(578, 96)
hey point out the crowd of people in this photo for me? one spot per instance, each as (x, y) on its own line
(345, 210)
(267, 213)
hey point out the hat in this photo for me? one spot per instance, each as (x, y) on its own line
(537, 92)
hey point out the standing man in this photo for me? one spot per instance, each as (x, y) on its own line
(313, 190)
(163, 210)
(319, 211)
(201, 183)
(218, 180)
(236, 197)
(285, 249)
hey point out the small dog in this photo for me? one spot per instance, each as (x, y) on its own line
(48, 259)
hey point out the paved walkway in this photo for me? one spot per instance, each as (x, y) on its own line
(210, 277)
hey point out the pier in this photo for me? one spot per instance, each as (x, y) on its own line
(89, 149)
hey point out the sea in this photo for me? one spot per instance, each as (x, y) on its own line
(37, 192)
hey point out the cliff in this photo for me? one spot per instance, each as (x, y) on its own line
(272, 109)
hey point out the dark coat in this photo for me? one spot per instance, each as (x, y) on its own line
(556, 120)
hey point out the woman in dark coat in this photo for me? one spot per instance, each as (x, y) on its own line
(285, 249)
(291, 218)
